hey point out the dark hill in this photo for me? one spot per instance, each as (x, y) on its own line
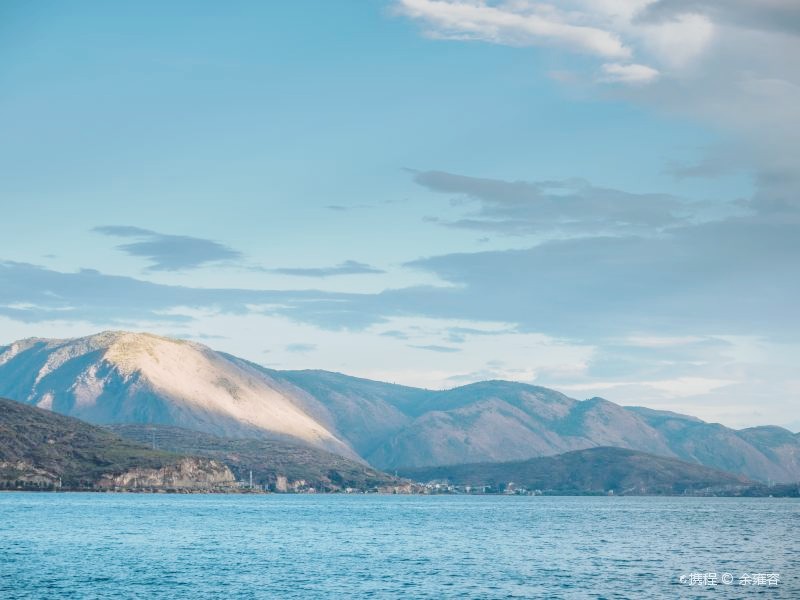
(42, 449)
(595, 470)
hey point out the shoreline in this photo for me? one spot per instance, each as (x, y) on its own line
(793, 493)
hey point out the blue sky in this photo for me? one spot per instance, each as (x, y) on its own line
(595, 196)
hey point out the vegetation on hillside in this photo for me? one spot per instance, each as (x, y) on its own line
(39, 448)
(267, 459)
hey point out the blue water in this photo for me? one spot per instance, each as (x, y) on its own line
(280, 546)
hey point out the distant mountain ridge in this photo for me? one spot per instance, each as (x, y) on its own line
(120, 377)
(493, 421)
(594, 470)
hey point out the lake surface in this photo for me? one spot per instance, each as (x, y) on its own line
(336, 546)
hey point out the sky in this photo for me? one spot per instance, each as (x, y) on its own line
(596, 196)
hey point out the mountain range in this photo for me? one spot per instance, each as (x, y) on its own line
(139, 378)
(594, 470)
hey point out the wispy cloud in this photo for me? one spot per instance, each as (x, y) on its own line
(394, 333)
(349, 267)
(300, 348)
(605, 30)
(436, 348)
(32, 293)
(169, 252)
(632, 73)
(512, 23)
(569, 206)
(737, 275)
(722, 62)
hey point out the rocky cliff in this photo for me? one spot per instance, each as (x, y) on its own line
(188, 473)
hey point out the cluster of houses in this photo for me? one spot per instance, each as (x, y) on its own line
(445, 487)
(300, 486)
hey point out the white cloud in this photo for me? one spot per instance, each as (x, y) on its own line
(641, 47)
(34, 307)
(677, 43)
(608, 29)
(666, 389)
(633, 73)
(654, 341)
(513, 23)
(729, 63)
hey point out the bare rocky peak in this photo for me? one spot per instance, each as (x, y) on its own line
(118, 376)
